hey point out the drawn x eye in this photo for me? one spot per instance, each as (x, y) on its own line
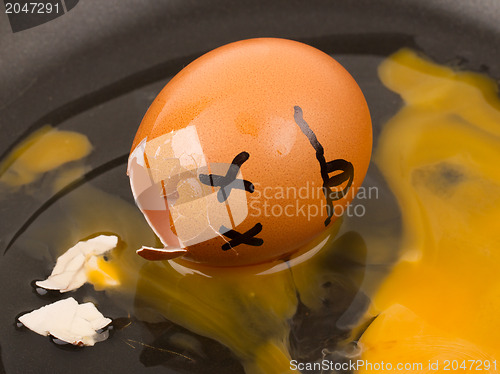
(229, 181)
(237, 238)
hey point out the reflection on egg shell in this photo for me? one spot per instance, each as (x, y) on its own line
(241, 156)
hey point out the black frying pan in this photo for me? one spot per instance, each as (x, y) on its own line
(96, 68)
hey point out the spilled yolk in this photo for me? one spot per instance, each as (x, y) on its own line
(101, 274)
(440, 155)
(246, 309)
(45, 150)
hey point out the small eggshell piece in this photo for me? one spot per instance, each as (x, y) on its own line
(68, 321)
(70, 271)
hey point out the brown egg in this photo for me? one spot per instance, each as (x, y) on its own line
(250, 152)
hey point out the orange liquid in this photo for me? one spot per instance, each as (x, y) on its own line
(440, 156)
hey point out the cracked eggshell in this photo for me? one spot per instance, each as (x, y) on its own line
(72, 267)
(242, 98)
(68, 321)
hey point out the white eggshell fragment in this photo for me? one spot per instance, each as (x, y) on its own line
(74, 323)
(70, 271)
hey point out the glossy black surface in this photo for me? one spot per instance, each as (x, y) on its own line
(96, 70)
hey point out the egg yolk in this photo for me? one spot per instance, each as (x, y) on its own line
(440, 155)
(45, 150)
